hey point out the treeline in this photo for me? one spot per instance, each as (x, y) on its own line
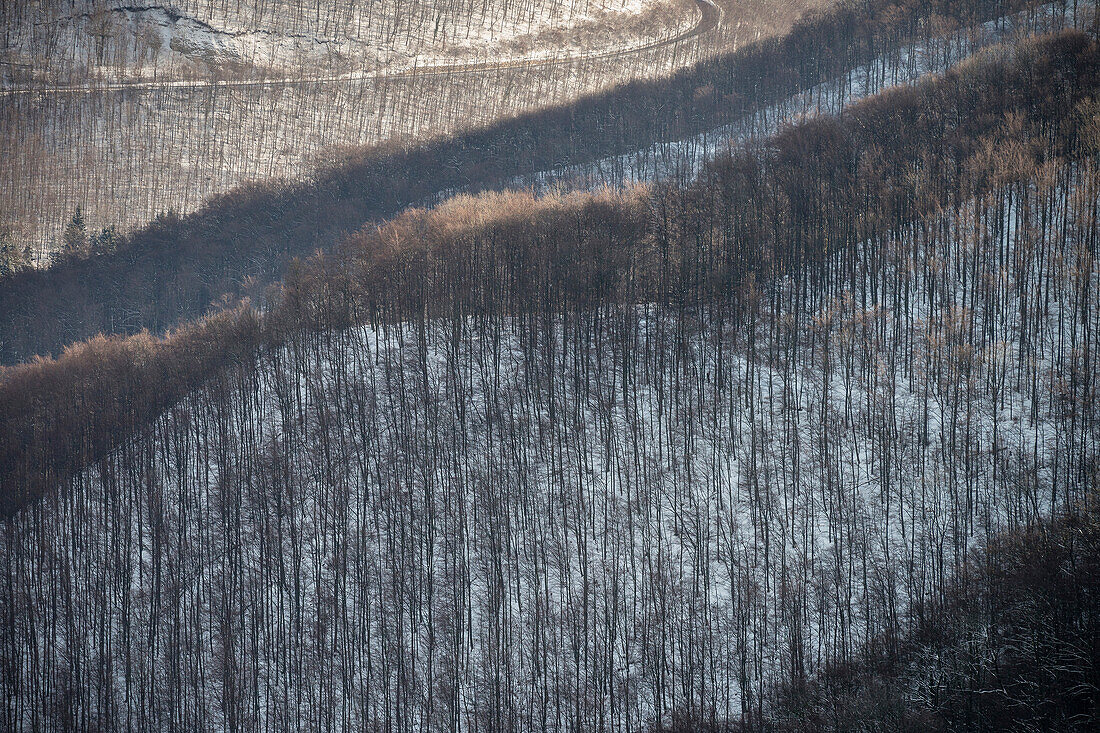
(132, 153)
(798, 205)
(175, 268)
(113, 387)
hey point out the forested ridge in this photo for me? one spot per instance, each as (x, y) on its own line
(176, 268)
(625, 460)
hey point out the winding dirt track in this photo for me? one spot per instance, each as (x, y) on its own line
(711, 18)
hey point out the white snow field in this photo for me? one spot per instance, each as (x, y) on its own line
(595, 521)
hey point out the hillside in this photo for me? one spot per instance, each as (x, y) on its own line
(173, 270)
(58, 43)
(614, 460)
(146, 118)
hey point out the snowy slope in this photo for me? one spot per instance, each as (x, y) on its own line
(613, 516)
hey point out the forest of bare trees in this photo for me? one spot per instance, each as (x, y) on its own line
(1011, 645)
(675, 455)
(174, 269)
(177, 128)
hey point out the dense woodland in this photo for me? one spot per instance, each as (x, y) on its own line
(174, 269)
(676, 455)
(1012, 645)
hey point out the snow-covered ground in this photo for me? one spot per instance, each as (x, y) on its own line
(101, 41)
(493, 523)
